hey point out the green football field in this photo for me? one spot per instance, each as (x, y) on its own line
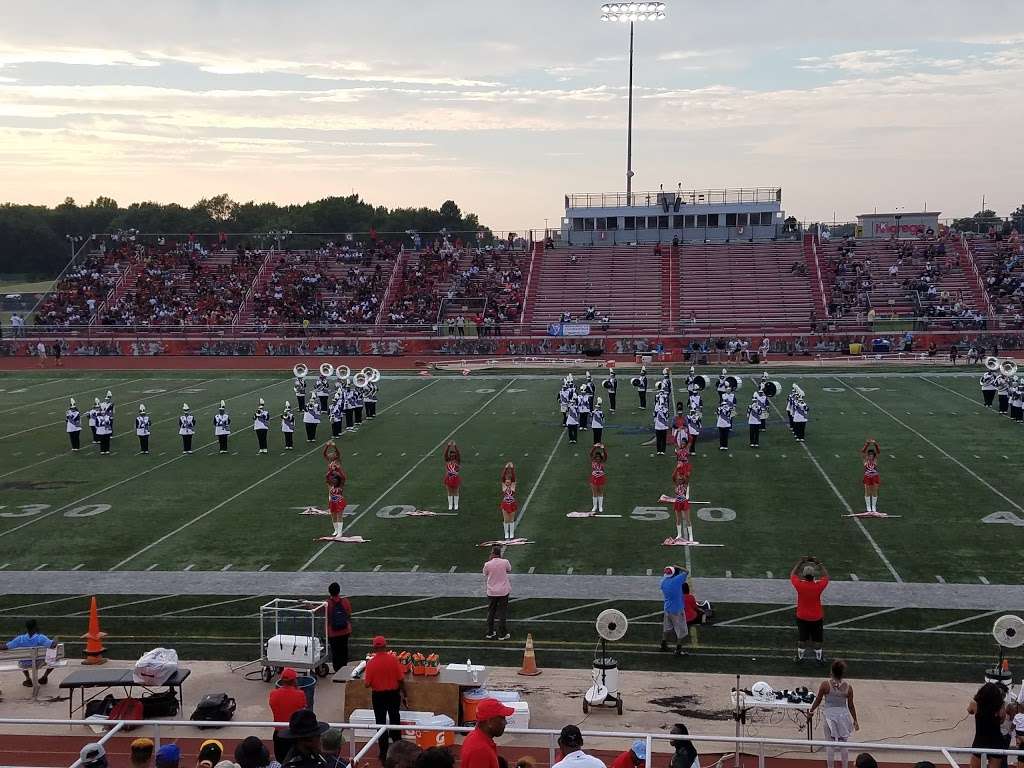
(951, 472)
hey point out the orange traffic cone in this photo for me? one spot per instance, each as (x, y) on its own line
(94, 638)
(529, 660)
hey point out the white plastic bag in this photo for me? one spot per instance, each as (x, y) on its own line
(156, 667)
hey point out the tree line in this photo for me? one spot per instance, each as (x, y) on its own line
(34, 238)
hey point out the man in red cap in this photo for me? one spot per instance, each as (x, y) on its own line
(479, 749)
(285, 700)
(385, 678)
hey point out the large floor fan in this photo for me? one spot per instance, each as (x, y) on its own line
(611, 626)
(1008, 631)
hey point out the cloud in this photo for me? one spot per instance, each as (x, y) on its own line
(95, 57)
(865, 62)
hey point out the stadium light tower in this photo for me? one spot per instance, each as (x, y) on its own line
(631, 13)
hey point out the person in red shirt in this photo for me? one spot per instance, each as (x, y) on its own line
(285, 700)
(810, 618)
(479, 749)
(385, 678)
(633, 757)
(339, 625)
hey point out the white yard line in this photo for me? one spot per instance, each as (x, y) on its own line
(34, 403)
(846, 505)
(861, 618)
(754, 615)
(938, 448)
(411, 469)
(567, 610)
(209, 605)
(483, 607)
(540, 477)
(44, 602)
(125, 605)
(251, 486)
(954, 392)
(961, 621)
(393, 605)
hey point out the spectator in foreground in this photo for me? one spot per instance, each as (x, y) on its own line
(168, 756)
(251, 752)
(633, 757)
(31, 638)
(479, 749)
(304, 732)
(864, 760)
(526, 761)
(570, 745)
(210, 753)
(385, 678)
(835, 697)
(403, 754)
(435, 757)
(496, 571)
(142, 753)
(810, 617)
(285, 701)
(685, 755)
(673, 621)
(332, 741)
(93, 756)
(988, 708)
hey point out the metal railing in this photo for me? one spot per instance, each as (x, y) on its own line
(687, 196)
(738, 743)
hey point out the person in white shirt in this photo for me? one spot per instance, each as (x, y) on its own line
(261, 426)
(288, 426)
(570, 746)
(142, 429)
(73, 418)
(186, 428)
(311, 417)
(222, 426)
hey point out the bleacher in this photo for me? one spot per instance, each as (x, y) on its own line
(745, 285)
(623, 282)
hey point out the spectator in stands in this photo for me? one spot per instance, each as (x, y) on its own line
(989, 710)
(210, 753)
(479, 749)
(285, 701)
(332, 741)
(31, 638)
(168, 756)
(251, 752)
(865, 760)
(305, 732)
(570, 746)
(435, 757)
(402, 754)
(142, 753)
(93, 756)
(633, 757)
(835, 697)
(685, 755)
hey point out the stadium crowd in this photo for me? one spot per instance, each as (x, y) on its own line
(85, 286)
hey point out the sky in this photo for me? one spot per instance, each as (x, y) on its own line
(506, 107)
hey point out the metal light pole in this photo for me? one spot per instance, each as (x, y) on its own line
(631, 13)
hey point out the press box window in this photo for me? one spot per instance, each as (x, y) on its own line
(628, 222)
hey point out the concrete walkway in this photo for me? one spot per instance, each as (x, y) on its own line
(883, 594)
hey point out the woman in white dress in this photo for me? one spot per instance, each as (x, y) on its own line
(835, 697)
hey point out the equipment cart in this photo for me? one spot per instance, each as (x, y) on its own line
(293, 633)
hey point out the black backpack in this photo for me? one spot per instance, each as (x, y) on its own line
(339, 616)
(213, 707)
(163, 704)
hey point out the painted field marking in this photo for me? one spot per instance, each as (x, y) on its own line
(607, 571)
(376, 568)
(769, 575)
(983, 580)
(568, 571)
(152, 567)
(78, 567)
(853, 577)
(452, 569)
(392, 605)
(125, 605)
(845, 503)
(227, 567)
(954, 392)
(940, 449)
(754, 616)
(211, 605)
(483, 607)
(648, 571)
(540, 477)
(40, 566)
(861, 618)
(264, 567)
(532, 569)
(245, 490)
(728, 574)
(340, 567)
(411, 469)
(189, 567)
(414, 568)
(958, 622)
(567, 610)
(67, 396)
(44, 602)
(940, 579)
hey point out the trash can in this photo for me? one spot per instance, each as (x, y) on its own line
(306, 684)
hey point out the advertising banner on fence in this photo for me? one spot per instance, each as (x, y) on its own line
(569, 329)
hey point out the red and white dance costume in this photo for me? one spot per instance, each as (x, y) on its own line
(452, 481)
(598, 477)
(336, 503)
(872, 478)
(681, 502)
(509, 505)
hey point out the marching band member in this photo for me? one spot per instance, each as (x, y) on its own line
(288, 426)
(755, 418)
(610, 386)
(338, 413)
(186, 428)
(597, 420)
(762, 351)
(1016, 400)
(590, 389)
(598, 477)
(693, 428)
(680, 437)
(321, 390)
(261, 426)
(666, 382)
(92, 413)
(661, 426)
(222, 426)
(641, 388)
(872, 479)
(790, 401)
(583, 407)
(694, 399)
(509, 505)
(800, 411)
(370, 399)
(988, 387)
(722, 386)
(729, 397)
(299, 387)
(142, 429)
(565, 394)
(357, 405)
(104, 428)
(349, 407)
(452, 465)
(336, 479)
(572, 420)
(311, 417)
(1003, 390)
(73, 419)
(681, 504)
(691, 379)
(108, 401)
(725, 416)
